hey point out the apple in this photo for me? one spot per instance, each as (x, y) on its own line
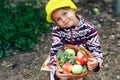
(81, 59)
(71, 52)
(77, 69)
(67, 67)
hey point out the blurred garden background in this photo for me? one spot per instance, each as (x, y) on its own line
(25, 37)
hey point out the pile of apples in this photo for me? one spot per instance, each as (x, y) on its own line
(78, 66)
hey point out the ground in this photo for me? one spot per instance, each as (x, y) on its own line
(26, 65)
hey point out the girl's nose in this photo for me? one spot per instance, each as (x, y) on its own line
(63, 19)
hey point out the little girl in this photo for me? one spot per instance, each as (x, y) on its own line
(70, 28)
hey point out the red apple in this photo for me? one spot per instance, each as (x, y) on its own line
(67, 67)
(81, 59)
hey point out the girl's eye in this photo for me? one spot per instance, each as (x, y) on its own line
(64, 13)
(58, 19)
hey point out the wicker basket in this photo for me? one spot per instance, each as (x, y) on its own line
(83, 51)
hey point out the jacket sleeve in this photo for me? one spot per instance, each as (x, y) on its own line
(93, 45)
(56, 45)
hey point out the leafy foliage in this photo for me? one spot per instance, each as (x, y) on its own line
(64, 57)
(20, 26)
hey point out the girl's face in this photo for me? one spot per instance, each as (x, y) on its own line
(65, 17)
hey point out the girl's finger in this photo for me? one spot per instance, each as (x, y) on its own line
(60, 70)
(91, 59)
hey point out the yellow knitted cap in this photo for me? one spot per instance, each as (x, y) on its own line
(52, 5)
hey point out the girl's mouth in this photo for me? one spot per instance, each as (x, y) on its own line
(67, 21)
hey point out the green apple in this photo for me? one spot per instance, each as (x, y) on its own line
(71, 52)
(76, 69)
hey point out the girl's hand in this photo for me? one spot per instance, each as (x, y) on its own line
(92, 63)
(59, 73)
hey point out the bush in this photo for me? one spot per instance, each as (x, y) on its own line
(20, 26)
